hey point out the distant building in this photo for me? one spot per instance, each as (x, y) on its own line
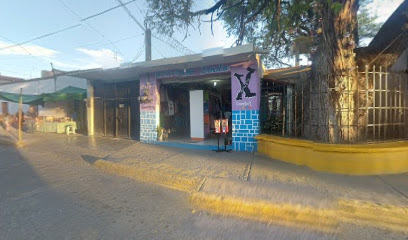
(7, 79)
(37, 86)
(46, 73)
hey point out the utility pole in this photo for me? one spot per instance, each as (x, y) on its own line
(297, 59)
(55, 78)
(148, 44)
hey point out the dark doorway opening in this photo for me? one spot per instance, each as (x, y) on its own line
(174, 94)
(121, 112)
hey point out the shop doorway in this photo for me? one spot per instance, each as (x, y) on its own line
(121, 112)
(182, 112)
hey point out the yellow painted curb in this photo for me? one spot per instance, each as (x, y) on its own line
(143, 173)
(393, 218)
(323, 220)
(358, 159)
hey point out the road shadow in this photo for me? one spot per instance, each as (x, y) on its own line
(370, 187)
(89, 159)
(41, 198)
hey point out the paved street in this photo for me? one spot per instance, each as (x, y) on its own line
(44, 195)
(49, 189)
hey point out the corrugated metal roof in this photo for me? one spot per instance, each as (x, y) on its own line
(132, 71)
(282, 74)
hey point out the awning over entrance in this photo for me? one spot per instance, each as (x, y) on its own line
(27, 99)
(285, 74)
(68, 93)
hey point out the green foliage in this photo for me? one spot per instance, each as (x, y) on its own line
(162, 133)
(336, 7)
(272, 126)
(270, 24)
(367, 25)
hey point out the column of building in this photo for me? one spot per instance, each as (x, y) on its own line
(90, 104)
(245, 90)
(149, 108)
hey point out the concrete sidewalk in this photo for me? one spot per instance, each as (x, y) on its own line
(247, 185)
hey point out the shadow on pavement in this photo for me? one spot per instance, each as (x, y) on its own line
(372, 188)
(89, 159)
(43, 198)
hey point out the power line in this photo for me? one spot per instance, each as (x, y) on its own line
(138, 54)
(140, 10)
(131, 15)
(65, 29)
(67, 7)
(157, 50)
(92, 27)
(169, 40)
(42, 36)
(389, 45)
(175, 44)
(28, 52)
(108, 10)
(116, 41)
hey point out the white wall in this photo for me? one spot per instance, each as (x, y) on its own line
(197, 114)
(35, 87)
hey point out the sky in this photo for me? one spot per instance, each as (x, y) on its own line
(104, 41)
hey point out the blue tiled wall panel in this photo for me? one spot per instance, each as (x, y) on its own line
(148, 127)
(245, 126)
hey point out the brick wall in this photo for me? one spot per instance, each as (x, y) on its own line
(148, 125)
(245, 126)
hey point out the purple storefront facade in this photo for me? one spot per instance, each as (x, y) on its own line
(245, 90)
(245, 78)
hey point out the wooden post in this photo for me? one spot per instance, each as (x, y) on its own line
(90, 108)
(129, 114)
(20, 117)
(297, 59)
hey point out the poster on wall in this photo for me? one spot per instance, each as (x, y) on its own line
(245, 88)
(149, 96)
(224, 125)
(217, 124)
(171, 108)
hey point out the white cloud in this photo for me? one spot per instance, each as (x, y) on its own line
(104, 58)
(34, 50)
(384, 8)
(88, 59)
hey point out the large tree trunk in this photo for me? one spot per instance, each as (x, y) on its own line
(333, 79)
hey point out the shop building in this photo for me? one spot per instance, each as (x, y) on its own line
(37, 86)
(54, 100)
(178, 99)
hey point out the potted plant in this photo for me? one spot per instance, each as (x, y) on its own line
(162, 133)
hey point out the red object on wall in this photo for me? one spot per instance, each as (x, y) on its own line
(224, 125)
(217, 124)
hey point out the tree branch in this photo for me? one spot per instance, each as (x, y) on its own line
(208, 10)
(255, 14)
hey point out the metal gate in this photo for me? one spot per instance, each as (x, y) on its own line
(121, 110)
(378, 101)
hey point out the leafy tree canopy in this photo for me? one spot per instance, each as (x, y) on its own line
(283, 26)
(367, 24)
